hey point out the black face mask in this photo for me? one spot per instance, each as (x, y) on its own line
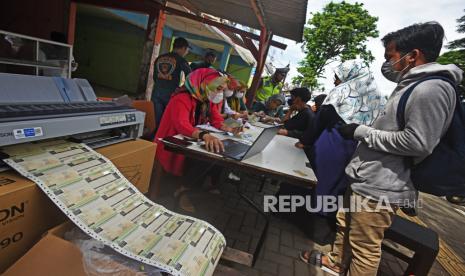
(387, 69)
(290, 101)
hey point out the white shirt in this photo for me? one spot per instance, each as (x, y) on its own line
(227, 109)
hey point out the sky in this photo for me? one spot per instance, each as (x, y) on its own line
(392, 15)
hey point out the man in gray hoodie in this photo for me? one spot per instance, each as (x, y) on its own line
(380, 169)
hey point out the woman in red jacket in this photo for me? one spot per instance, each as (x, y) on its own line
(190, 106)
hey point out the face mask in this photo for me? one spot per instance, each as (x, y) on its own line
(387, 69)
(215, 98)
(228, 93)
(239, 95)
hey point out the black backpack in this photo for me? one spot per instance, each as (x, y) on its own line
(443, 172)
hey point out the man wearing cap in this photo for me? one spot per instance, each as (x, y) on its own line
(271, 85)
(207, 62)
(167, 75)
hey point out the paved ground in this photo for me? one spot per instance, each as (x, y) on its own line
(241, 226)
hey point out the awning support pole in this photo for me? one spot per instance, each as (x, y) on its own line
(71, 22)
(147, 53)
(263, 47)
(250, 46)
(155, 52)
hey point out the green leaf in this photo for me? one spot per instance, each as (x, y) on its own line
(339, 32)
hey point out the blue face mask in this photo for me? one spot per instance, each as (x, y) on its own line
(387, 69)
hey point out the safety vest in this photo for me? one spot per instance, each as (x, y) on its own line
(267, 89)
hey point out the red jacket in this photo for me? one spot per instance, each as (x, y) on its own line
(179, 118)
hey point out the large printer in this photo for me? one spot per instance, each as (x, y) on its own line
(35, 108)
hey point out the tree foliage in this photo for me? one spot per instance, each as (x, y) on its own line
(457, 55)
(339, 32)
(459, 43)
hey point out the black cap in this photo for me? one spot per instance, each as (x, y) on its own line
(180, 42)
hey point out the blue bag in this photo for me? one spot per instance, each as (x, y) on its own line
(330, 156)
(443, 172)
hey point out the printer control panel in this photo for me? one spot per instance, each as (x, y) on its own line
(117, 119)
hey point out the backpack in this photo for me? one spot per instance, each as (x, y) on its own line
(443, 172)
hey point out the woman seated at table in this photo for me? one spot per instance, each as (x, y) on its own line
(232, 106)
(236, 101)
(299, 117)
(190, 106)
(272, 109)
(223, 106)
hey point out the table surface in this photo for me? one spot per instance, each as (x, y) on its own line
(280, 157)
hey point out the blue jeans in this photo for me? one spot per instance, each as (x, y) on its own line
(159, 105)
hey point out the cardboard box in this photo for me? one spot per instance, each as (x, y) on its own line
(55, 256)
(26, 212)
(134, 159)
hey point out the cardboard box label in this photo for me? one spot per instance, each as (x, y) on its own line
(12, 213)
(6, 181)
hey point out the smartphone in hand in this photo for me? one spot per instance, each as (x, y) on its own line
(177, 141)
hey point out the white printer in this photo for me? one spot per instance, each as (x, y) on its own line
(36, 108)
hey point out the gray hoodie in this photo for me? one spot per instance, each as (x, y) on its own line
(380, 165)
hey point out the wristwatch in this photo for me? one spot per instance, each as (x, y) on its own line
(203, 133)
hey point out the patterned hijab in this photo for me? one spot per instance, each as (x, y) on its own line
(357, 99)
(199, 83)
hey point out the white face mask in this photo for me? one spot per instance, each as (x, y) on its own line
(239, 95)
(228, 93)
(215, 97)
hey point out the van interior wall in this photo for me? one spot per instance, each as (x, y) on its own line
(34, 18)
(109, 52)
